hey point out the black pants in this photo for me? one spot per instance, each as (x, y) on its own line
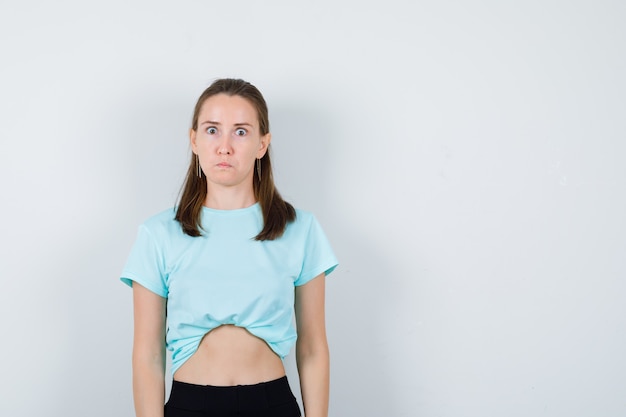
(267, 399)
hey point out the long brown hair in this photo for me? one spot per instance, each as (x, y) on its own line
(276, 211)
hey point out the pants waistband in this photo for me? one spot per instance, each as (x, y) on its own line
(223, 398)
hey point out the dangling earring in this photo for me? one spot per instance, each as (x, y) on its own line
(258, 168)
(199, 171)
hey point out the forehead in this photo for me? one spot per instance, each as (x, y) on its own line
(225, 108)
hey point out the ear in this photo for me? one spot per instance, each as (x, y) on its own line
(265, 143)
(192, 141)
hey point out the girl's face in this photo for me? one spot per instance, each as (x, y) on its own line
(228, 141)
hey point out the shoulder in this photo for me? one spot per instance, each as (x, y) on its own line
(162, 223)
(302, 225)
(304, 216)
(304, 219)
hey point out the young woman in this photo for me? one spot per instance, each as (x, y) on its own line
(219, 278)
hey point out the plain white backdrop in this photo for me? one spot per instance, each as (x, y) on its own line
(466, 159)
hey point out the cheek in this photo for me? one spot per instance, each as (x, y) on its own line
(204, 144)
(248, 147)
(199, 143)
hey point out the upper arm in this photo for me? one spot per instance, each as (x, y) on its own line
(149, 322)
(310, 313)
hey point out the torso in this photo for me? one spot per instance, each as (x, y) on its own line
(230, 355)
(229, 321)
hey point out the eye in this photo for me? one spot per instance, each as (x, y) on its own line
(211, 130)
(241, 132)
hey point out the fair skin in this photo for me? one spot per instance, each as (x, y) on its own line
(228, 142)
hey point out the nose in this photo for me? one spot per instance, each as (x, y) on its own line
(224, 147)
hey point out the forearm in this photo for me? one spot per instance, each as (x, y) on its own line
(314, 371)
(148, 387)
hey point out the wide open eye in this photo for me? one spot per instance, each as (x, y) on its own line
(241, 132)
(211, 130)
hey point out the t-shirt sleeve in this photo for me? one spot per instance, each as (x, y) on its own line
(145, 264)
(318, 255)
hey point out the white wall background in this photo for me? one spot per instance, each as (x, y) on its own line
(466, 159)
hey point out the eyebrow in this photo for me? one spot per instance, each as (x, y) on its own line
(211, 122)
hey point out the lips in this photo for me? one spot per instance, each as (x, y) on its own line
(223, 165)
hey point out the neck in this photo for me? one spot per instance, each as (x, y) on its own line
(229, 199)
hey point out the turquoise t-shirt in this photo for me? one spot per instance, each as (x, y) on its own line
(227, 277)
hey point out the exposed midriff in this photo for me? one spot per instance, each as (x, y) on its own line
(229, 355)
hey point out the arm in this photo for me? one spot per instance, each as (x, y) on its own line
(312, 354)
(148, 352)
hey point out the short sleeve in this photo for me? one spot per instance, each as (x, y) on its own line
(145, 264)
(318, 254)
